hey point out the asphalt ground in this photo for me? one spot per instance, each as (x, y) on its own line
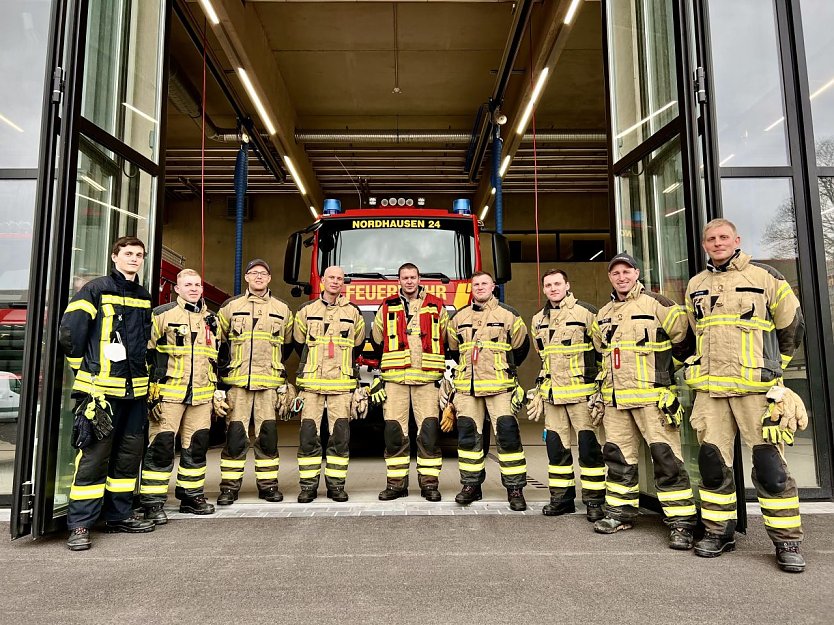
(476, 568)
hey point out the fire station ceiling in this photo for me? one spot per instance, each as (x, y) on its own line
(384, 95)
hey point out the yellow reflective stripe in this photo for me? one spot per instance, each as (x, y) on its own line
(306, 462)
(232, 464)
(188, 472)
(429, 462)
(191, 484)
(563, 469)
(514, 470)
(74, 363)
(621, 489)
(125, 301)
(397, 472)
(338, 460)
(673, 315)
(719, 516)
(267, 462)
(82, 305)
(309, 473)
(674, 495)
(153, 489)
(717, 498)
(427, 471)
(397, 460)
(786, 360)
(779, 504)
(335, 472)
(156, 475)
(573, 348)
(78, 493)
(231, 475)
(593, 485)
(511, 457)
(592, 471)
(781, 294)
(679, 510)
(782, 521)
(616, 501)
(120, 485)
(266, 475)
(559, 483)
(470, 466)
(471, 455)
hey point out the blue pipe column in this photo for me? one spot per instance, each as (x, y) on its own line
(497, 149)
(241, 175)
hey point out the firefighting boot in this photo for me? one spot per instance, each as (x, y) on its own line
(337, 494)
(307, 495)
(131, 525)
(227, 497)
(788, 557)
(79, 539)
(196, 505)
(393, 493)
(156, 514)
(594, 512)
(609, 525)
(468, 494)
(430, 494)
(271, 494)
(516, 498)
(558, 508)
(680, 539)
(713, 545)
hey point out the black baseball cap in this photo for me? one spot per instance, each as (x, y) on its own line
(623, 257)
(256, 262)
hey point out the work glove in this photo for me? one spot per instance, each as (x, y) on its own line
(670, 408)
(517, 398)
(286, 399)
(445, 392)
(596, 408)
(219, 405)
(296, 405)
(449, 416)
(535, 404)
(154, 403)
(785, 413)
(377, 392)
(93, 420)
(359, 403)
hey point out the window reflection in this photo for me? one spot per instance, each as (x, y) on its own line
(818, 29)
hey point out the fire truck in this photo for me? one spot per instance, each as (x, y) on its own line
(370, 243)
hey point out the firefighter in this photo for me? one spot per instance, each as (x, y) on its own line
(748, 325)
(410, 331)
(182, 359)
(104, 333)
(639, 334)
(489, 340)
(256, 339)
(329, 333)
(562, 336)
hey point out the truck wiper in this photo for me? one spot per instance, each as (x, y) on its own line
(370, 274)
(437, 276)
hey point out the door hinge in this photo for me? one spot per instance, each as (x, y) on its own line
(27, 500)
(57, 84)
(700, 82)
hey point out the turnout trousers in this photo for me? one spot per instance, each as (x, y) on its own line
(338, 445)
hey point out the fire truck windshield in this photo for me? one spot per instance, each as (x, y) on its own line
(447, 247)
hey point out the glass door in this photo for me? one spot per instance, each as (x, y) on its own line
(102, 140)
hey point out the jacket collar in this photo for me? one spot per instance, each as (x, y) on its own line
(421, 293)
(567, 302)
(635, 292)
(341, 300)
(487, 305)
(123, 282)
(195, 308)
(737, 262)
(265, 297)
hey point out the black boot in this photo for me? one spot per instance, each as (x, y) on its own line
(594, 512)
(680, 539)
(131, 525)
(558, 508)
(713, 545)
(516, 498)
(79, 539)
(430, 494)
(337, 494)
(196, 505)
(468, 494)
(307, 495)
(227, 497)
(391, 493)
(156, 514)
(271, 494)
(788, 557)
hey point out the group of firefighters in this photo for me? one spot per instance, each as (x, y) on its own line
(608, 375)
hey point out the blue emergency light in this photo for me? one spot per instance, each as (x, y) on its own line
(462, 206)
(332, 206)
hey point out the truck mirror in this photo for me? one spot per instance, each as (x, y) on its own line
(501, 259)
(292, 258)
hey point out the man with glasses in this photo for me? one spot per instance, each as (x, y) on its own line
(256, 338)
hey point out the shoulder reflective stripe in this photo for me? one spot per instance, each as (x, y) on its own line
(779, 504)
(82, 305)
(719, 516)
(673, 315)
(781, 294)
(782, 522)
